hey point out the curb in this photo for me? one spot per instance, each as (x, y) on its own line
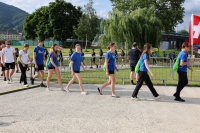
(19, 89)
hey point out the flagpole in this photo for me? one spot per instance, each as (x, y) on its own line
(192, 41)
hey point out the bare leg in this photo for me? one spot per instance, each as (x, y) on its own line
(42, 76)
(71, 82)
(50, 72)
(112, 78)
(57, 72)
(131, 75)
(12, 72)
(7, 75)
(78, 76)
(105, 84)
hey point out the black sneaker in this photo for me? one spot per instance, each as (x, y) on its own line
(32, 80)
(42, 85)
(4, 78)
(179, 99)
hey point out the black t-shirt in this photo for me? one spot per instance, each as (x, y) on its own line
(134, 56)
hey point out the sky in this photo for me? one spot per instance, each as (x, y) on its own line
(102, 7)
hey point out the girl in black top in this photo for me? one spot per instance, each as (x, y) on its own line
(122, 56)
(93, 59)
(17, 55)
(100, 58)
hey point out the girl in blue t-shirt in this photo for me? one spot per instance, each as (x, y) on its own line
(53, 66)
(110, 61)
(76, 62)
(143, 74)
(182, 71)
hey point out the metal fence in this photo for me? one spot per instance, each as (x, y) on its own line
(160, 66)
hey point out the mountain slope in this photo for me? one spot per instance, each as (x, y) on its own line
(11, 18)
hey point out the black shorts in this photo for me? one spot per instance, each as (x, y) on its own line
(51, 67)
(132, 68)
(40, 68)
(77, 71)
(93, 59)
(3, 68)
(111, 72)
(9, 66)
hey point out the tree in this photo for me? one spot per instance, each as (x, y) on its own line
(170, 12)
(140, 25)
(88, 23)
(56, 21)
(63, 16)
(183, 32)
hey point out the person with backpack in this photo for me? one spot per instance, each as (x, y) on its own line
(39, 59)
(134, 56)
(75, 63)
(24, 57)
(110, 67)
(52, 64)
(182, 65)
(143, 74)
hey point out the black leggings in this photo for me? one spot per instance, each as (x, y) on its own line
(23, 73)
(143, 76)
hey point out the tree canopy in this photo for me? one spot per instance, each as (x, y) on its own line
(170, 12)
(88, 25)
(140, 25)
(56, 21)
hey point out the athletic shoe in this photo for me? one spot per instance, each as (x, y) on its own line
(48, 89)
(135, 99)
(67, 90)
(159, 97)
(11, 79)
(26, 85)
(179, 99)
(32, 80)
(100, 92)
(17, 71)
(116, 96)
(4, 78)
(42, 85)
(84, 93)
(7, 82)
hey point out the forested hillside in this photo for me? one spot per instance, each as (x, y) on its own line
(11, 18)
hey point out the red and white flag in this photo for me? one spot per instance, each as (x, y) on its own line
(194, 31)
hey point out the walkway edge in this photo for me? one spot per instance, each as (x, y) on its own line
(19, 89)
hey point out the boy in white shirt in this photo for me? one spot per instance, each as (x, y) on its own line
(8, 60)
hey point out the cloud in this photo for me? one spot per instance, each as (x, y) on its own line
(102, 13)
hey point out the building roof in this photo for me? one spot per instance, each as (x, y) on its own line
(9, 32)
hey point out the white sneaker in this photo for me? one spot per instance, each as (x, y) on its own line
(135, 99)
(11, 79)
(7, 82)
(26, 85)
(159, 97)
(48, 89)
(67, 90)
(84, 93)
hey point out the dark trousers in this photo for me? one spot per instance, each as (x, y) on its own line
(143, 76)
(182, 82)
(154, 61)
(23, 73)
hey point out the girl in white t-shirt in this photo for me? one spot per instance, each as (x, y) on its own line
(24, 57)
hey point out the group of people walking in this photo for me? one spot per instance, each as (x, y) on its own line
(8, 60)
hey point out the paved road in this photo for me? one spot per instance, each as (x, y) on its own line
(38, 111)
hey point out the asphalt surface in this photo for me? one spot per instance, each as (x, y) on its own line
(38, 111)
